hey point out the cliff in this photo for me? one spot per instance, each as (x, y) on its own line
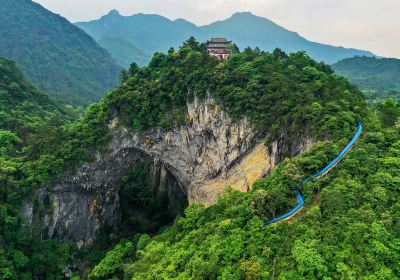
(204, 157)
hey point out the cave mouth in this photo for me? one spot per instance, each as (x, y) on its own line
(150, 198)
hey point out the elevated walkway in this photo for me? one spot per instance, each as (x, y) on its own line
(322, 172)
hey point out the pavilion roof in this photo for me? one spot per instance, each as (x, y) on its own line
(218, 41)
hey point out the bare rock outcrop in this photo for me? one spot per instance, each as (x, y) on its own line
(207, 155)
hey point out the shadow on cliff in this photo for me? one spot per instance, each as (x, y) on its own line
(150, 198)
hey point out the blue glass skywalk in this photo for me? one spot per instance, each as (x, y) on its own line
(323, 171)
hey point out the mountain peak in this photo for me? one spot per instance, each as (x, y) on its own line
(185, 22)
(237, 14)
(113, 12)
(249, 16)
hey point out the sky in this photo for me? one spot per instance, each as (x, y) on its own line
(372, 25)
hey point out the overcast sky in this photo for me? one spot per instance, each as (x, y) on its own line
(364, 24)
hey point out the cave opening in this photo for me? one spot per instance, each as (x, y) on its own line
(150, 198)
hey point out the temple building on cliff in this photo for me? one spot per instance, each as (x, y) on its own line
(219, 48)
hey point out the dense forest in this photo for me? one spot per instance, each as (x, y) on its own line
(377, 77)
(352, 213)
(28, 120)
(55, 55)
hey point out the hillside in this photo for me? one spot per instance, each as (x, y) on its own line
(246, 29)
(348, 214)
(147, 33)
(29, 125)
(123, 51)
(154, 33)
(349, 228)
(378, 77)
(108, 165)
(23, 108)
(55, 55)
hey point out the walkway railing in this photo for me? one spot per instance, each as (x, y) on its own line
(322, 172)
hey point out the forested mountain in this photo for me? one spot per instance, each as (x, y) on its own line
(23, 108)
(145, 34)
(29, 122)
(349, 228)
(123, 50)
(154, 33)
(54, 54)
(246, 29)
(378, 77)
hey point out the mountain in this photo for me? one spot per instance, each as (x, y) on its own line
(282, 115)
(55, 55)
(24, 108)
(29, 123)
(123, 50)
(378, 77)
(101, 192)
(154, 33)
(148, 33)
(246, 29)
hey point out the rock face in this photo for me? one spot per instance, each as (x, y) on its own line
(206, 156)
(88, 201)
(211, 153)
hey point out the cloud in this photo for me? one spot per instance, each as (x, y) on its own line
(364, 24)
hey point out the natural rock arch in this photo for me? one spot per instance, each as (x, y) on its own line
(209, 154)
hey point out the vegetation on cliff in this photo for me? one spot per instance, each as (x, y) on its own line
(350, 213)
(289, 94)
(279, 92)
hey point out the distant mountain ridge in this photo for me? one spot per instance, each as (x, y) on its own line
(54, 54)
(154, 33)
(378, 77)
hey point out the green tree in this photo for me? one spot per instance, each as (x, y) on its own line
(112, 264)
(390, 112)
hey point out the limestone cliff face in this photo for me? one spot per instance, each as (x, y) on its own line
(211, 152)
(205, 156)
